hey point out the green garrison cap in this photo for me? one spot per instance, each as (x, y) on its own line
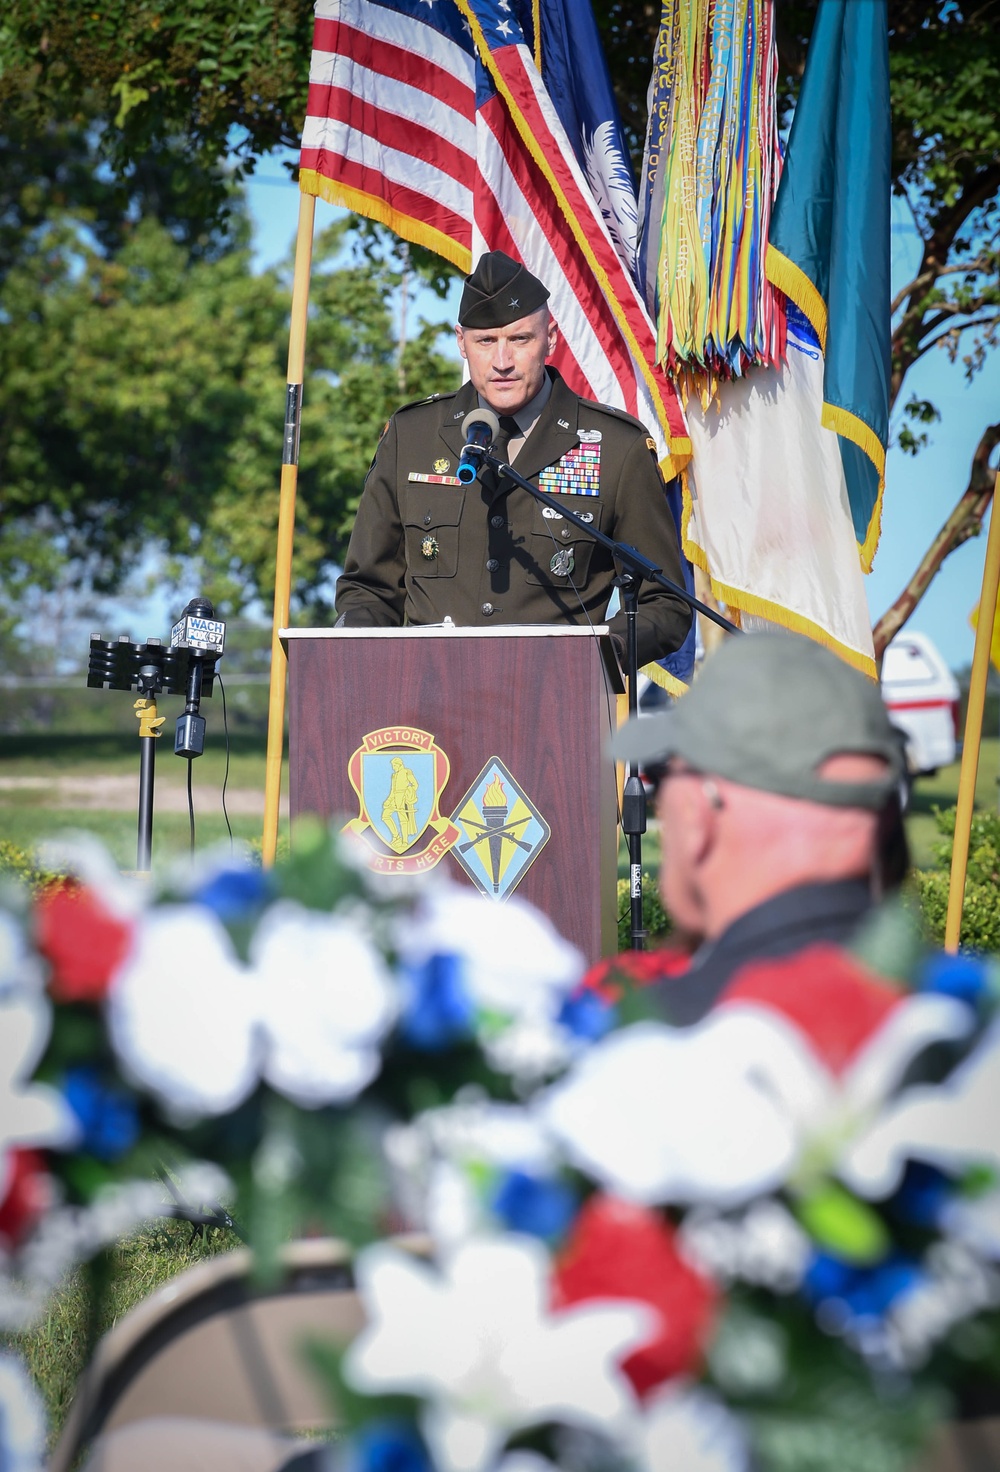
(766, 712)
(500, 290)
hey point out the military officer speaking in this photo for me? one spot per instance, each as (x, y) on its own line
(425, 547)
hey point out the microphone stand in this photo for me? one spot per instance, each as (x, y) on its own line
(635, 569)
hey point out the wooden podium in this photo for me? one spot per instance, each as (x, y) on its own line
(482, 750)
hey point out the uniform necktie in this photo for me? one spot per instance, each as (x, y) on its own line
(509, 430)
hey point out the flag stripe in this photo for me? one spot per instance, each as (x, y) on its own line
(392, 68)
(419, 154)
(377, 182)
(389, 28)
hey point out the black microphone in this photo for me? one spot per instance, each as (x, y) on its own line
(480, 427)
(204, 637)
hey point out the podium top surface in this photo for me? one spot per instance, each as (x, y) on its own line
(454, 631)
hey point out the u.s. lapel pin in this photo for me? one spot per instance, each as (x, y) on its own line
(563, 423)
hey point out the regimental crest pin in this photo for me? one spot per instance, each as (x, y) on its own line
(399, 774)
(504, 831)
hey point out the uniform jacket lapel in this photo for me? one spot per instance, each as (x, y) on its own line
(554, 434)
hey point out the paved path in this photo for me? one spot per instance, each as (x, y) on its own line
(121, 794)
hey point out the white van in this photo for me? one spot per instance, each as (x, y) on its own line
(922, 696)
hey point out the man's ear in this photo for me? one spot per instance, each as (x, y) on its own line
(460, 339)
(701, 821)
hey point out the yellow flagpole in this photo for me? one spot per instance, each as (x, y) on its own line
(286, 522)
(974, 727)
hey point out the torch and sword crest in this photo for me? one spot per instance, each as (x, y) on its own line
(496, 829)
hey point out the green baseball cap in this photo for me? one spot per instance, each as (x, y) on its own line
(766, 711)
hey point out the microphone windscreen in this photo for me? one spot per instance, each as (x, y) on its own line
(481, 416)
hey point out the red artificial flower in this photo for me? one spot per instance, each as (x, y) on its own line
(618, 1250)
(640, 968)
(826, 993)
(27, 1198)
(82, 941)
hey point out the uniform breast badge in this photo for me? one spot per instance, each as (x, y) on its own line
(577, 473)
(429, 548)
(442, 466)
(562, 563)
(399, 774)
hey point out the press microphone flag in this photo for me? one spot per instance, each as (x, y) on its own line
(199, 630)
(204, 637)
(480, 427)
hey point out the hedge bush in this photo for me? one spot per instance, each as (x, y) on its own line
(981, 908)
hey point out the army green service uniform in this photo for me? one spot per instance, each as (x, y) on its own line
(423, 548)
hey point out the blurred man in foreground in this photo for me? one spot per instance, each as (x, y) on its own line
(778, 779)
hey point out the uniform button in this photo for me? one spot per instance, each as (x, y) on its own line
(427, 519)
(492, 565)
(564, 532)
(487, 609)
(496, 521)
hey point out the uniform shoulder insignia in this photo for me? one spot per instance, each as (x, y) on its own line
(618, 414)
(429, 399)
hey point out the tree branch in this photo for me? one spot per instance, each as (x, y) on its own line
(927, 278)
(964, 522)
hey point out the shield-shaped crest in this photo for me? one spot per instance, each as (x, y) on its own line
(398, 792)
(399, 774)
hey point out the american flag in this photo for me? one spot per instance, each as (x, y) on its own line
(457, 125)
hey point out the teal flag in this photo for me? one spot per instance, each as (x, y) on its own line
(828, 245)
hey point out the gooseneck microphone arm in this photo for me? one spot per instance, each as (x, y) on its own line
(635, 569)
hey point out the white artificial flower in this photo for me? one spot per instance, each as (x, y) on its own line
(31, 1114)
(686, 1430)
(515, 961)
(438, 1158)
(477, 1341)
(19, 968)
(975, 1221)
(953, 1125)
(182, 1013)
(727, 1110)
(325, 1002)
(763, 1245)
(22, 1419)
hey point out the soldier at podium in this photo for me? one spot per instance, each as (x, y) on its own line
(425, 547)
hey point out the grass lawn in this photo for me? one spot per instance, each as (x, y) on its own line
(50, 783)
(57, 1349)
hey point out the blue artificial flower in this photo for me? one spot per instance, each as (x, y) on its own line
(587, 1015)
(388, 1446)
(961, 976)
(234, 894)
(864, 1293)
(107, 1113)
(439, 1010)
(532, 1204)
(922, 1194)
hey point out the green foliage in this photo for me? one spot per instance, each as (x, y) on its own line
(20, 866)
(142, 399)
(194, 76)
(981, 910)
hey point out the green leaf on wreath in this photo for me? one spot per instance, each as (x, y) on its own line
(843, 1225)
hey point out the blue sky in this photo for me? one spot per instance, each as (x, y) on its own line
(920, 491)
